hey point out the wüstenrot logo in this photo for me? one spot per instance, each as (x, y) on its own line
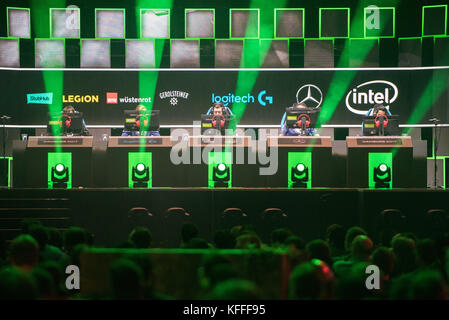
(40, 98)
(360, 99)
(111, 97)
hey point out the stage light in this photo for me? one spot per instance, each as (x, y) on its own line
(140, 175)
(59, 176)
(221, 175)
(300, 175)
(382, 176)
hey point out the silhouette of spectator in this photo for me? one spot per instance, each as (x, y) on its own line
(223, 239)
(215, 268)
(57, 272)
(278, 237)
(312, 280)
(126, 280)
(335, 237)
(196, 243)
(248, 241)
(318, 249)
(141, 237)
(46, 251)
(404, 252)
(383, 257)
(297, 251)
(427, 255)
(24, 252)
(16, 284)
(55, 238)
(45, 283)
(235, 290)
(428, 285)
(74, 236)
(351, 285)
(361, 249)
(188, 232)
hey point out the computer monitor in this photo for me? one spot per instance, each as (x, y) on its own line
(372, 126)
(65, 123)
(301, 118)
(214, 124)
(141, 120)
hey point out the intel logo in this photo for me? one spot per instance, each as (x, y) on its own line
(360, 99)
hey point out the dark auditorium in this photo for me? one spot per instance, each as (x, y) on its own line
(224, 158)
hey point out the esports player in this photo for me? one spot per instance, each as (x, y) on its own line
(376, 111)
(125, 133)
(285, 131)
(215, 109)
(70, 110)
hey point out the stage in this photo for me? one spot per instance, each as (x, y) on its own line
(104, 212)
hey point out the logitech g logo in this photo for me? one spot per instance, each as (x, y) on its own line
(260, 96)
(379, 92)
(310, 95)
(230, 98)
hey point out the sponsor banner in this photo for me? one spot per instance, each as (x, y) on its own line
(40, 98)
(182, 96)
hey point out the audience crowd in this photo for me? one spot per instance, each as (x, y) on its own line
(336, 267)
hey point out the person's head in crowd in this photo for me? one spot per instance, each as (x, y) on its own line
(299, 105)
(68, 109)
(296, 248)
(404, 252)
(351, 234)
(206, 275)
(146, 266)
(351, 285)
(55, 237)
(278, 237)
(426, 253)
(223, 239)
(318, 249)
(24, 252)
(311, 280)
(409, 235)
(57, 272)
(74, 236)
(39, 233)
(16, 284)
(235, 290)
(196, 243)
(76, 252)
(127, 280)
(248, 241)
(429, 285)
(383, 257)
(401, 287)
(45, 283)
(188, 232)
(335, 237)
(238, 230)
(361, 249)
(141, 237)
(26, 224)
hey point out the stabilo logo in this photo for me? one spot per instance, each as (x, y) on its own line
(360, 99)
(111, 97)
(40, 98)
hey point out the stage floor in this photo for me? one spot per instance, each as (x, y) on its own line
(309, 212)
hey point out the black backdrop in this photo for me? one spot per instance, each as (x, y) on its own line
(196, 89)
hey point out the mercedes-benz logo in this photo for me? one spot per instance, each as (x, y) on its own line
(311, 95)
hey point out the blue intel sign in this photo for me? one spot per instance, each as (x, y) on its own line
(40, 98)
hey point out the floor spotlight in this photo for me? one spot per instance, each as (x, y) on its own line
(382, 176)
(59, 176)
(140, 175)
(221, 175)
(300, 175)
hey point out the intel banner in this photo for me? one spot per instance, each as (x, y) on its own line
(343, 96)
